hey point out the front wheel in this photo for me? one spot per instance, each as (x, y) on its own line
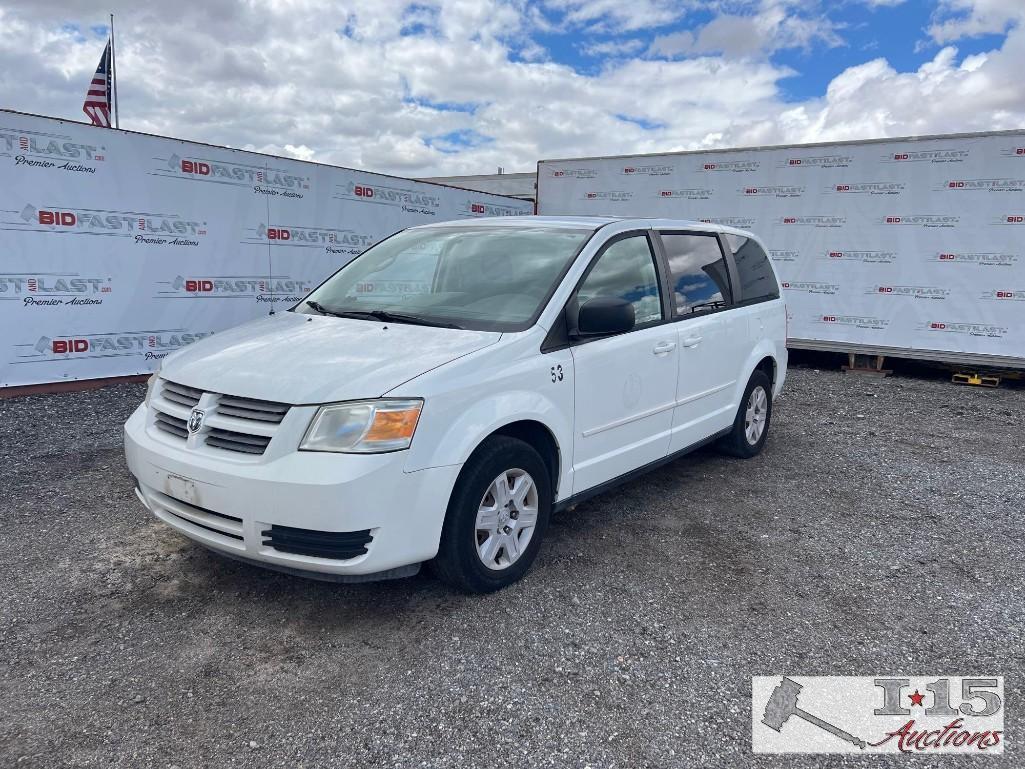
(496, 517)
(751, 426)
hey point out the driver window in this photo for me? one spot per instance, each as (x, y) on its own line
(626, 270)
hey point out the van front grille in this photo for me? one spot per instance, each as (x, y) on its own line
(230, 422)
(240, 442)
(247, 408)
(171, 424)
(180, 394)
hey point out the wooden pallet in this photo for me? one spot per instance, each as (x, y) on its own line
(863, 364)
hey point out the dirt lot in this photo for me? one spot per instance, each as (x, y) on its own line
(881, 532)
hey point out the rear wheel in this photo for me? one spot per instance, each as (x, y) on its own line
(496, 517)
(751, 426)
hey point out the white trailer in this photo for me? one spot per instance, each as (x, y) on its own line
(910, 247)
(117, 247)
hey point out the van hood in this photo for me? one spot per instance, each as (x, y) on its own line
(303, 359)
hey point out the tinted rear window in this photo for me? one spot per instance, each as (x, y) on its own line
(757, 281)
(698, 273)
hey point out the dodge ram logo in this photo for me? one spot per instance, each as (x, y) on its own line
(195, 420)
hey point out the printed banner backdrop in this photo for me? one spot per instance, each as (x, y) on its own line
(117, 248)
(914, 244)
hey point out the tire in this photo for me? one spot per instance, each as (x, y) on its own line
(739, 442)
(468, 538)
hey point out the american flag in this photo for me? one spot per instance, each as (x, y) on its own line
(97, 101)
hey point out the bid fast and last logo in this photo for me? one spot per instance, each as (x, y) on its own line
(740, 222)
(950, 155)
(866, 188)
(332, 240)
(647, 170)
(810, 287)
(687, 193)
(859, 255)
(262, 179)
(408, 199)
(571, 173)
(264, 289)
(609, 196)
(912, 292)
(962, 328)
(47, 151)
(149, 345)
(54, 289)
(974, 258)
(785, 255)
(773, 191)
(1003, 295)
(156, 229)
(930, 221)
(481, 208)
(816, 161)
(812, 221)
(864, 322)
(729, 166)
(981, 185)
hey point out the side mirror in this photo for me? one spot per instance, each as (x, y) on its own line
(605, 315)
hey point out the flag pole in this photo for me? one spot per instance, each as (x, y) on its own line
(113, 73)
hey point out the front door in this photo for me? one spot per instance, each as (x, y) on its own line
(624, 385)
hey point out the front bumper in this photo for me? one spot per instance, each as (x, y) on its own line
(227, 504)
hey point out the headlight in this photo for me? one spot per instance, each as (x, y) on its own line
(363, 427)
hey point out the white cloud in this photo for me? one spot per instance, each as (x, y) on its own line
(301, 152)
(612, 48)
(968, 18)
(761, 28)
(984, 92)
(473, 88)
(627, 15)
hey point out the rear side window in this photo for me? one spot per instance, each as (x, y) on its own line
(757, 281)
(697, 273)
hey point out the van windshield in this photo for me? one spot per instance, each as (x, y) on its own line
(482, 278)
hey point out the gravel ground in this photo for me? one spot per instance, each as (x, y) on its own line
(879, 533)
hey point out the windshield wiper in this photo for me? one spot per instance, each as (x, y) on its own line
(715, 303)
(323, 310)
(382, 315)
(393, 317)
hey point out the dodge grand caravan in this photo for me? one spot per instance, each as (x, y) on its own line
(440, 396)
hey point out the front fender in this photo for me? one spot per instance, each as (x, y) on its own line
(470, 398)
(451, 428)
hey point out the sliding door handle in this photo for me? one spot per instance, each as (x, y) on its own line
(692, 341)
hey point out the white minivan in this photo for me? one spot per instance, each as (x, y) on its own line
(441, 395)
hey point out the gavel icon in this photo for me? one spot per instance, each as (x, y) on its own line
(783, 703)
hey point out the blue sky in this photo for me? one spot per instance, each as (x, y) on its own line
(438, 87)
(898, 32)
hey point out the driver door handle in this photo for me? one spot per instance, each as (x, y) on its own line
(663, 347)
(692, 341)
